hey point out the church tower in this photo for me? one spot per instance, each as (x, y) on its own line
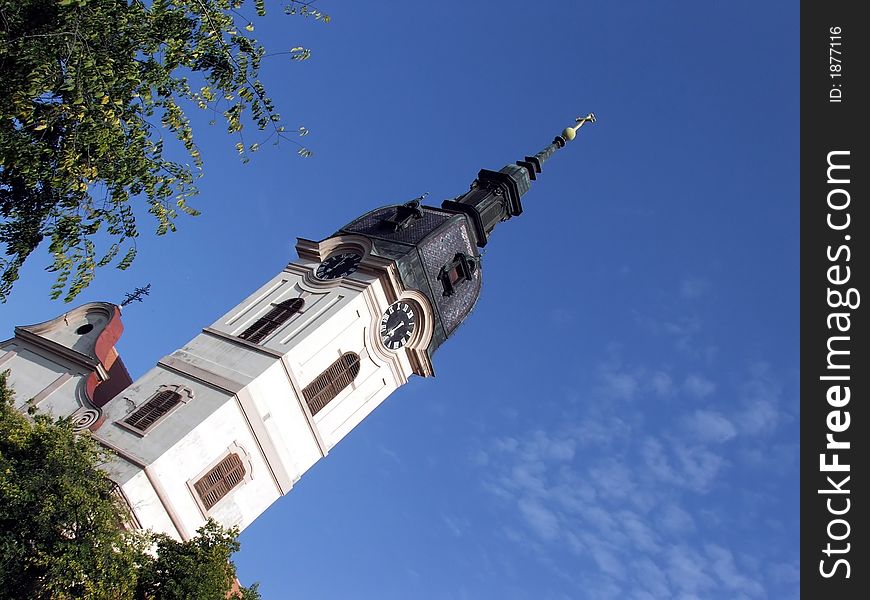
(227, 424)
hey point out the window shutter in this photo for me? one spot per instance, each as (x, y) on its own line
(272, 320)
(158, 405)
(218, 482)
(329, 384)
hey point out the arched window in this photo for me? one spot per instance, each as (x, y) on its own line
(145, 417)
(220, 479)
(328, 384)
(272, 320)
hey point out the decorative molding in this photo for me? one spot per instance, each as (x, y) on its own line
(384, 269)
(248, 306)
(84, 418)
(417, 347)
(200, 375)
(264, 442)
(9, 355)
(51, 388)
(331, 301)
(159, 491)
(77, 358)
(303, 407)
(240, 342)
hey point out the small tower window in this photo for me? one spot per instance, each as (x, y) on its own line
(460, 269)
(329, 384)
(272, 320)
(218, 482)
(144, 417)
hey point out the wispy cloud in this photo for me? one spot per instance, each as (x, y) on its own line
(631, 497)
(693, 287)
(645, 504)
(760, 397)
(698, 386)
(710, 426)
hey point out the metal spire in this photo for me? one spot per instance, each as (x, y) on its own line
(533, 163)
(495, 195)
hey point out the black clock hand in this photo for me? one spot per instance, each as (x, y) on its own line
(393, 330)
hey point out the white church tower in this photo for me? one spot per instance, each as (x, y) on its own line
(226, 425)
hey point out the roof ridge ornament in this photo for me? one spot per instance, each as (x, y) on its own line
(571, 132)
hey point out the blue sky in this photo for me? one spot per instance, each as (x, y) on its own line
(619, 416)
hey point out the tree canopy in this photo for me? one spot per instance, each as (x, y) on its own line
(62, 533)
(89, 88)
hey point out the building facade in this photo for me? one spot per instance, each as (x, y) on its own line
(225, 425)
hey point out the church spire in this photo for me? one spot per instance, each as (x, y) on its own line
(495, 195)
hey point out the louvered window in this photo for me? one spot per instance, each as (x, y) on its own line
(149, 413)
(272, 320)
(218, 482)
(329, 384)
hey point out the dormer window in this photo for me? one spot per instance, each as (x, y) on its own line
(460, 269)
(405, 215)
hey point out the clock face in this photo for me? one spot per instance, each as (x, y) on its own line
(338, 265)
(397, 325)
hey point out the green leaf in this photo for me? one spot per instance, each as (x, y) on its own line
(127, 260)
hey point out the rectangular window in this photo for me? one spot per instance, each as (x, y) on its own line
(218, 482)
(144, 417)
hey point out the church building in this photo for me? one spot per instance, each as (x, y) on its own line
(226, 425)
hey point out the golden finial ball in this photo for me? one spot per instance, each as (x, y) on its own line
(569, 134)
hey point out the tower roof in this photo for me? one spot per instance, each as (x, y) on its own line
(435, 249)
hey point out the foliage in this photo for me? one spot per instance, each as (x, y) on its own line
(89, 87)
(59, 519)
(196, 569)
(61, 534)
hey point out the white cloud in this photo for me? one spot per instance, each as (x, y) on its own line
(661, 383)
(685, 569)
(542, 520)
(607, 561)
(620, 384)
(456, 525)
(642, 537)
(699, 466)
(692, 288)
(698, 386)
(675, 521)
(613, 479)
(479, 458)
(759, 416)
(625, 492)
(760, 399)
(651, 578)
(710, 426)
(723, 566)
(656, 461)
